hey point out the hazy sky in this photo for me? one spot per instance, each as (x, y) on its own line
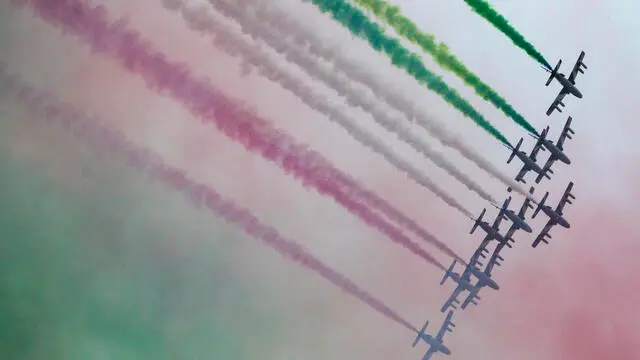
(100, 263)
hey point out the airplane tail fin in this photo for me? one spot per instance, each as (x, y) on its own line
(478, 221)
(553, 73)
(514, 151)
(540, 205)
(420, 334)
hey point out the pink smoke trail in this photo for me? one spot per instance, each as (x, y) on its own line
(110, 142)
(206, 102)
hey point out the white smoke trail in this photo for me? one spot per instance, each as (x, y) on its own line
(306, 38)
(343, 86)
(200, 18)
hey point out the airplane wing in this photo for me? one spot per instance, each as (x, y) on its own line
(474, 262)
(471, 297)
(557, 101)
(522, 173)
(546, 168)
(566, 199)
(510, 233)
(429, 353)
(544, 234)
(495, 259)
(446, 326)
(499, 217)
(452, 300)
(534, 152)
(576, 68)
(523, 209)
(475, 258)
(566, 134)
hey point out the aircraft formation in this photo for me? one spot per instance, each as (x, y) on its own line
(477, 273)
(280, 46)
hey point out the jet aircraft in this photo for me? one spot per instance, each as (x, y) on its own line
(436, 343)
(528, 162)
(568, 84)
(517, 220)
(555, 216)
(496, 258)
(493, 231)
(557, 149)
(464, 282)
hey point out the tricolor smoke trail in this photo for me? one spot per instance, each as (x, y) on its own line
(342, 85)
(113, 143)
(484, 9)
(207, 103)
(440, 53)
(359, 25)
(269, 66)
(293, 30)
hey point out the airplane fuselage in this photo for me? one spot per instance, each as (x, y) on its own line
(515, 219)
(530, 164)
(557, 218)
(465, 285)
(436, 346)
(493, 233)
(568, 86)
(557, 153)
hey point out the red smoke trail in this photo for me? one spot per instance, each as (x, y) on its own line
(206, 102)
(110, 142)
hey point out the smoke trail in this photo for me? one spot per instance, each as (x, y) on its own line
(359, 25)
(403, 26)
(271, 68)
(485, 10)
(211, 106)
(109, 142)
(342, 85)
(294, 30)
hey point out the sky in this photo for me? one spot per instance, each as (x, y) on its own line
(99, 262)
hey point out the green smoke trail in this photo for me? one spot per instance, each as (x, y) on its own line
(491, 15)
(82, 275)
(359, 25)
(391, 15)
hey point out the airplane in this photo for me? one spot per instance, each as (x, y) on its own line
(529, 162)
(464, 283)
(517, 220)
(555, 216)
(568, 85)
(493, 231)
(557, 149)
(436, 344)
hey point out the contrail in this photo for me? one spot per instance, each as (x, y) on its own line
(440, 53)
(343, 86)
(206, 102)
(359, 25)
(113, 143)
(274, 70)
(485, 10)
(294, 30)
